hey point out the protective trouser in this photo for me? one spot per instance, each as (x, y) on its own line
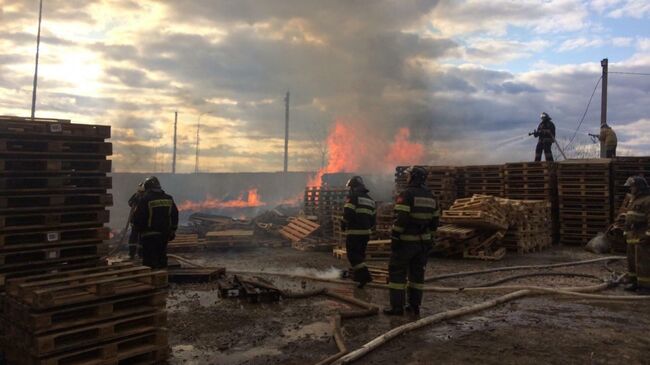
(154, 250)
(356, 245)
(134, 239)
(407, 260)
(546, 147)
(610, 152)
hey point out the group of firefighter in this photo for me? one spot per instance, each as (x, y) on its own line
(154, 220)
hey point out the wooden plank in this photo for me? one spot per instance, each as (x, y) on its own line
(17, 259)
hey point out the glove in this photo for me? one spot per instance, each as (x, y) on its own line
(344, 226)
(394, 243)
(172, 236)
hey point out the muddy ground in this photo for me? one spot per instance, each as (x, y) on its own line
(205, 329)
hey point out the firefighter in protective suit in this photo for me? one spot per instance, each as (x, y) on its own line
(134, 236)
(417, 215)
(156, 219)
(546, 133)
(637, 234)
(359, 217)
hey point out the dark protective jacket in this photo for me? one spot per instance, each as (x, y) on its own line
(156, 213)
(416, 215)
(637, 218)
(359, 213)
(545, 131)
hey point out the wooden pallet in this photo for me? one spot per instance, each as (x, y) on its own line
(70, 183)
(28, 146)
(299, 229)
(38, 268)
(496, 255)
(473, 218)
(85, 287)
(46, 238)
(48, 220)
(456, 232)
(51, 128)
(149, 348)
(80, 315)
(8, 166)
(20, 203)
(72, 339)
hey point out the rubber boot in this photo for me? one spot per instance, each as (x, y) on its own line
(415, 300)
(363, 277)
(396, 303)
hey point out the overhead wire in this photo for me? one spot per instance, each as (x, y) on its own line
(584, 114)
(629, 73)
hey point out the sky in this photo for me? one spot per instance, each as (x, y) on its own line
(468, 78)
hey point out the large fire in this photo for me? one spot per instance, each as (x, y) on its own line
(353, 147)
(245, 200)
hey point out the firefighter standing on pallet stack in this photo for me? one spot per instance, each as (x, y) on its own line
(156, 220)
(546, 133)
(359, 216)
(608, 137)
(417, 215)
(637, 234)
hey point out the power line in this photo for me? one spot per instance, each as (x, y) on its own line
(629, 73)
(584, 114)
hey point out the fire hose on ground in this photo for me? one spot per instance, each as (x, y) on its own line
(520, 291)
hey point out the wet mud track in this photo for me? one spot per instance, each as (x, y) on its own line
(205, 329)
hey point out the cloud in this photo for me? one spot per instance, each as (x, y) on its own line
(426, 65)
(495, 17)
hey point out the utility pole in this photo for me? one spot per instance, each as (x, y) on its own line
(174, 153)
(38, 45)
(286, 132)
(603, 104)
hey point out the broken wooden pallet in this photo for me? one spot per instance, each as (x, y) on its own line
(298, 229)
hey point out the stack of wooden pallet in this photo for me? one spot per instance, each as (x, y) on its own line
(624, 167)
(384, 222)
(483, 179)
(104, 315)
(53, 195)
(326, 204)
(530, 225)
(474, 226)
(585, 199)
(534, 181)
(477, 211)
(441, 180)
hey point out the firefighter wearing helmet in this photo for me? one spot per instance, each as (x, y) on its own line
(637, 234)
(156, 219)
(417, 214)
(359, 217)
(545, 133)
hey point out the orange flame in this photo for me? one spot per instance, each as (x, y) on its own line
(252, 200)
(404, 152)
(348, 150)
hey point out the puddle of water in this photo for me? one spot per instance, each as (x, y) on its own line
(314, 330)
